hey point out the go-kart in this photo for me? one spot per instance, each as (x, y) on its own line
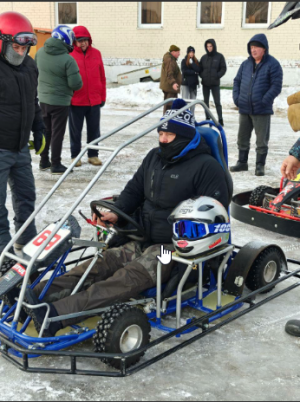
(121, 332)
(275, 209)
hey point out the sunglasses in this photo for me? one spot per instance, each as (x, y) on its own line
(196, 230)
(21, 38)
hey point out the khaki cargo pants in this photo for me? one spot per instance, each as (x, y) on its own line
(121, 274)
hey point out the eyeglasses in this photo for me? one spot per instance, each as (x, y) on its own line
(21, 38)
(196, 230)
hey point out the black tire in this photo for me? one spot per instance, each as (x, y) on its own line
(264, 270)
(110, 332)
(6, 266)
(257, 196)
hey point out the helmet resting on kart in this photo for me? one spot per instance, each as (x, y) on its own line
(15, 28)
(65, 34)
(200, 225)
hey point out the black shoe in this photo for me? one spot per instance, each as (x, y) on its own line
(38, 314)
(292, 327)
(9, 300)
(260, 170)
(239, 167)
(59, 169)
(45, 165)
(221, 122)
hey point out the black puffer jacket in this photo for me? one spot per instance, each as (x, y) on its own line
(212, 66)
(20, 112)
(190, 74)
(160, 187)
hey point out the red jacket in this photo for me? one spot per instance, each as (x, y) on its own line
(93, 91)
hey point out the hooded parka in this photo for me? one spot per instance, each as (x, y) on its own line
(212, 66)
(92, 72)
(254, 91)
(58, 74)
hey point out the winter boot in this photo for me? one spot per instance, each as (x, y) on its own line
(242, 163)
(260, 164)
(44, 164)
(59, 169)
(9, 300)
(292, 327)
(38, 314)
(95, 161)
(78, 164)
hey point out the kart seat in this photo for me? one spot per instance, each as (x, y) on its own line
(213, 140)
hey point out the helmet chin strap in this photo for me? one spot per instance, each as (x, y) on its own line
(13, 57)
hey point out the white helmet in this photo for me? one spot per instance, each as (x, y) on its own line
(200, 225)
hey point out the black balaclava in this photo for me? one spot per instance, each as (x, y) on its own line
(171, 149)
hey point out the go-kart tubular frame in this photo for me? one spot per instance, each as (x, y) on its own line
(200, 324)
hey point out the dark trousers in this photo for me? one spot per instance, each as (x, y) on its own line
(16, 170)
(168, 95)
(55, 119)
(76, 119)
(123, 273)
(261, 124)
(215, 90)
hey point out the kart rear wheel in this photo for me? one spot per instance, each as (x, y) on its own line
(265, 269)
(121, 330)
(257, 196)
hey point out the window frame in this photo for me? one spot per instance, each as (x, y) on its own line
(56, 13)
(209, 26)
(255, 26)
(150, 26)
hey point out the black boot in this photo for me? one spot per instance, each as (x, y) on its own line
(59, 169)
(221, 122)
(38, 314)
(292, 327)
(260, 164)
(44, 164)
(242, 163)
(9, 300)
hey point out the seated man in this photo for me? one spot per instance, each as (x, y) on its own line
(180, 168)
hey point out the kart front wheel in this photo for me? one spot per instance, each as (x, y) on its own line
(257, 196)
(265, 269)
(122, 329)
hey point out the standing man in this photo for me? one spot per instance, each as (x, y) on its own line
(212, 69)
(86, 102)
(258, 82)
(170, 79)
(20, 113)
(58, 79)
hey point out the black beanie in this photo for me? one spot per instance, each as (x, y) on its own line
(257, 44)
(190, 49)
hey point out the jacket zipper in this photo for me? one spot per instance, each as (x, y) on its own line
(152, 183)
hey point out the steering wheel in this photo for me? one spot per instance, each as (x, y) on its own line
(137, 233)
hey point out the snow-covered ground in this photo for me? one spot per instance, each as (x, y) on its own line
(251, 358)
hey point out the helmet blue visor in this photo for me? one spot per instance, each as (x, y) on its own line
(195, 230)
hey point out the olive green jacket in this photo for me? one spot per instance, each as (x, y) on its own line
(170, 74)
(58, 74)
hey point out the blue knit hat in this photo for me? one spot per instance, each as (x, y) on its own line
(183, 124)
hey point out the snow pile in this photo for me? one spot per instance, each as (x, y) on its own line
(146, 95)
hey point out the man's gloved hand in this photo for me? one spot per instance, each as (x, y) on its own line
(38, 143)
(102, 104)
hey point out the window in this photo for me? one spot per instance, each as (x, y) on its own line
(150, 14)
(66, 13)
(256, 14)
(210, 14)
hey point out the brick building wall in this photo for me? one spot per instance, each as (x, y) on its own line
(114, 28)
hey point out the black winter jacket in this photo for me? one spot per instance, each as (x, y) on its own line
(20, 112)
(190, 74)
(212, 66)
(159, 187)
